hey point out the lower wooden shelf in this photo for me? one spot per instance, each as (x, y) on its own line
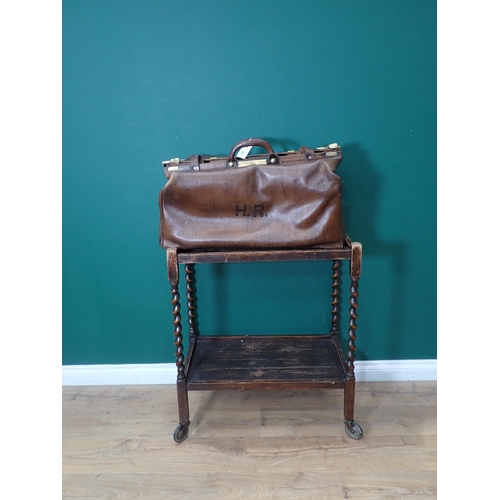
(265, 362)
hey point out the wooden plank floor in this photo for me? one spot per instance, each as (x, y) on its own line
(117, 443)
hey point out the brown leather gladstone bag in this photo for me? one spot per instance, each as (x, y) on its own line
(274, 200)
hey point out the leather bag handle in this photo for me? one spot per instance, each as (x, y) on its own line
(272, 157)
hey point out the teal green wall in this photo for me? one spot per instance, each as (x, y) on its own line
(148, 80)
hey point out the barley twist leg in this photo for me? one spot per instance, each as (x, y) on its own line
(353, 300)
(335, 297)
(190, 295)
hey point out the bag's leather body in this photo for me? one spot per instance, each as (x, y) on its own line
(284, 200)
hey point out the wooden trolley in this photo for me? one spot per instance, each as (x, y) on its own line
(284, 361)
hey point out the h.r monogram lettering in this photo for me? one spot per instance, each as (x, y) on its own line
(257, 210)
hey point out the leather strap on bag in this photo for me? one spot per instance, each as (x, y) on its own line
(308, 152)
(194, 162)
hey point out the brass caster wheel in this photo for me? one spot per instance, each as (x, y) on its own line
(353, 430)
(181, 433)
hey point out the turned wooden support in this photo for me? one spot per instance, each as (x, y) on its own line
(190, 295)
(172, 267)
(335, 297)
(349, 393)
(353, 301)
(356, 250)
(179, 349)
(173, 277)
(356, 254)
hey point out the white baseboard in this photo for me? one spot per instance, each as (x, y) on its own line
(396, 370)
(160, 373)
(165, 373)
